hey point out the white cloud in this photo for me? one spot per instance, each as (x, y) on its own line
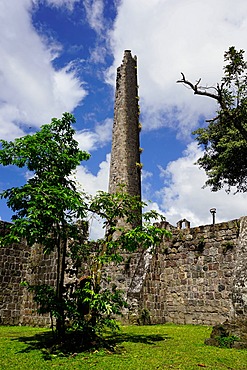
(91, 184)
(33, 91)
(92, 140)
(95, 16)
(68, 90)
(98, 54)
(58, 3)
(183, 197)
(173, 36)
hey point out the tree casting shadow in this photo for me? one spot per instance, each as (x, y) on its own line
(76, 343)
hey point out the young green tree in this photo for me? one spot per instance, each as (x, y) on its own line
(51, 211)
(224, 139)
(47, 206)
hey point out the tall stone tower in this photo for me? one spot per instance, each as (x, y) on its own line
(125, 165)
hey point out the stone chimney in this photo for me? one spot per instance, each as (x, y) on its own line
(125, 165)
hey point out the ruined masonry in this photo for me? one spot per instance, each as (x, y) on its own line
(20, 263)
(125, 165)
(199, 276)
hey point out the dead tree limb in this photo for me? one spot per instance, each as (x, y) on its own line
(219, 97)
(198, 90)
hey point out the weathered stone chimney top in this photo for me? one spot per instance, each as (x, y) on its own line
(128, 55)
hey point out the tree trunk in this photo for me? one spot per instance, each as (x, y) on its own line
(60, 321)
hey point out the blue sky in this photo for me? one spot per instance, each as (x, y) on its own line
(62, 55)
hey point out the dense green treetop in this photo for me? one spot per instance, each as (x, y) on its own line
(50, 197)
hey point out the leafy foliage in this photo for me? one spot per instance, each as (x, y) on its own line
(47, 206)
(49, 200)
(227, 342)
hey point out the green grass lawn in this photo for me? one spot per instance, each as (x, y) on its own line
(138, 348)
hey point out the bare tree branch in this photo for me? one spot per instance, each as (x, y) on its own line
(197, 89)
(212, 119)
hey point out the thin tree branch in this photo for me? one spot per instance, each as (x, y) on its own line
(213, 119)
(197, 88)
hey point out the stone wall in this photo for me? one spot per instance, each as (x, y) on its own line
(20, 263)
(191, 278)
(41, 269)
(13, 264)
(199, 276)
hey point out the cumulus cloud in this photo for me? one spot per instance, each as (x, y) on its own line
(173, 36)
(33, 91)
(183, 197)
(91, 184)
(92, 140)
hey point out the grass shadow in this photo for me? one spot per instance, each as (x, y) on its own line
(119, 337)
(41, 342)
(76, 343)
